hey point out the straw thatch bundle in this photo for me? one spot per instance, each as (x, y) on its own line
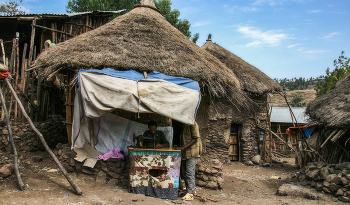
(251, 78)
(141, 40)
(333, 108)
(3, 68)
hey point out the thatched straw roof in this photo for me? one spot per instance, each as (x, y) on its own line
(333, 108)
(250, 78)
(142, 40)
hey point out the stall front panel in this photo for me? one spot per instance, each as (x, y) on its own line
(155, 172)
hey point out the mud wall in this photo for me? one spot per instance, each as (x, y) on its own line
(222, 115)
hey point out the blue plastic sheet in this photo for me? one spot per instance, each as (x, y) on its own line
(308, 130)
(136, 76)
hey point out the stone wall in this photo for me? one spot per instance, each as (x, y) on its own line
(329, 178)
(221, 116)
(115, 173)
(209, 174)
(53, 131)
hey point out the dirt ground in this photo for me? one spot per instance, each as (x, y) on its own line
(243, 185)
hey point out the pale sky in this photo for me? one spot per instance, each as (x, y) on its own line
(283, 38)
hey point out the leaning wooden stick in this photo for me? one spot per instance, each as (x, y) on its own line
(76, 188)
(15, 156)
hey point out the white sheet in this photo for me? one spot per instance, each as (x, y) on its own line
(110, 131)
(101, 94)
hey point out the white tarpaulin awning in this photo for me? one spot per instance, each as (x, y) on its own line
(102, 93)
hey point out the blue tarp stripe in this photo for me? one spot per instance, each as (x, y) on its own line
(136, 76)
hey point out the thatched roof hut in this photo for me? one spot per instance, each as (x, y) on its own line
(252, 79)
(142, 40)
(333, 108)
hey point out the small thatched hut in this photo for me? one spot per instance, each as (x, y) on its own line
(332, 110)
(143, 40)
(242, 128)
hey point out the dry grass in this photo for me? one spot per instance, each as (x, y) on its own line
(251, 78)
(333, 108)
(276, 100)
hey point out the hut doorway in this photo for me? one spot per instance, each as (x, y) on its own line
(233, 153)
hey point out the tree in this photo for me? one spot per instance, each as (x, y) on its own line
(342, 67)
(164, 6)
(172, 16)
(297, 100)
(102, 5)
(10, 8)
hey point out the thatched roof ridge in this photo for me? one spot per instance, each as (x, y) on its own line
(333, 108)
(141, 40)
(251, 78)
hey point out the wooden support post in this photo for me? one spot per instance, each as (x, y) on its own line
(32, 87)
(63, 170)
(13, 66)
(16, 77)
(31, 47)
(12, 143)
(25, 88)
(3, 52)
(53, 33)
(269, 159)
(23, 62)
(69, 104)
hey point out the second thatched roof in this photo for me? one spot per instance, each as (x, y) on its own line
(333, 108)
(251, 78)
(142, 40)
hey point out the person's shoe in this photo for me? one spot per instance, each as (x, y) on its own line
(188, 197)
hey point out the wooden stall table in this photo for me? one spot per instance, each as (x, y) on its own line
(154, 172)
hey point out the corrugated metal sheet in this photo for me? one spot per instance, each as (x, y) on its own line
(282, 115)
(67, 14)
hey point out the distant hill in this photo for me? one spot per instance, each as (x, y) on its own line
(276, 100)
(300, 83)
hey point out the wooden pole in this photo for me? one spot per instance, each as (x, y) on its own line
(13, 66)
(12, 143)
(16, 77)
(76, 188)
(31, 47)
(3, 52)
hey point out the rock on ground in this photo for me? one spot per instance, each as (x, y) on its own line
(298, 191)
(6, 170)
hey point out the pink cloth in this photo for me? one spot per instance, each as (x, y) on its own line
(113, 153)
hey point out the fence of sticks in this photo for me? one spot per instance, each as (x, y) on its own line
(23, 98)
(42, 100)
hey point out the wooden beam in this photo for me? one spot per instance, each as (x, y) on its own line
(53, 30)
(330, 136)
(3, 52)
(31, 46)
(79, 25)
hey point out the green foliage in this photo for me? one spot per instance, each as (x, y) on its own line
(102, 5)
(342, 67)
(297, 100)
(195, 38)
(297, 83)
(10, 8)
(172, 16)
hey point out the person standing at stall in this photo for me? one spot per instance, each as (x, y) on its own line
(157, 135)
(191, 146)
